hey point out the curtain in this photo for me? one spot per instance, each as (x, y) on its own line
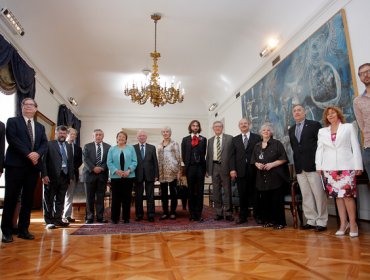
(67, 118)
(24, 75)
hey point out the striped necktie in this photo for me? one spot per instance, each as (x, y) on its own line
(98, 156)
(218, 145)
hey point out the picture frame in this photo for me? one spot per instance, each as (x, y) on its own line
(47, 123)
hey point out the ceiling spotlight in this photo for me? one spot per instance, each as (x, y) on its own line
(11, 21)
(72, 101)
(271, 46)
(212, 107)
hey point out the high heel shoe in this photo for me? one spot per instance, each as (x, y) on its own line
(354, 234)
(342, 232)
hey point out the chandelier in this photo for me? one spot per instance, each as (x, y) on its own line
(153, 91)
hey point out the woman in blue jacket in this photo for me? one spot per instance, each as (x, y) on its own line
(122, 163)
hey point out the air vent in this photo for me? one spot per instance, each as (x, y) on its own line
(276, 60)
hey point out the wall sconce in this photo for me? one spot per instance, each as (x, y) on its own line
(72, 101)
(271, 46)
(11, 21)
(212, 107)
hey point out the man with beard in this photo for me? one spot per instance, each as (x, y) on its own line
(57, 173)
(193, 150)
(361, 105)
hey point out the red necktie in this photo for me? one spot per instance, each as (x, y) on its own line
(194, 141)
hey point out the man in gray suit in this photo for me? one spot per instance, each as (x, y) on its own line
(95, 174)
(57, 174)
(146, 174)
(217, 165)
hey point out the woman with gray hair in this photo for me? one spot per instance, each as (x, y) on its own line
(169, 164)
(272, 175)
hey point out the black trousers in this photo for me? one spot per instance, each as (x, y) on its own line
(248, 197)
(95, 188)
(195, 178)
(272, 206)
(149, 192)
(54, 195)
(18, 181)
(121, 198)
(173, 195)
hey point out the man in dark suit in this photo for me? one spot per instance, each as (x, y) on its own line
(193, 150)
(218, 166)
(146, 174)
(95, 173)
(303, 139)
(243, 172)
(57, 173)
(2, 147)
(27, 144)
(77, 161)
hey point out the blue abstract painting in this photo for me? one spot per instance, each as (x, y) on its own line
(316, 74)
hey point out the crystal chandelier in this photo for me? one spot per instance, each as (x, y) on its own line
(153, 91)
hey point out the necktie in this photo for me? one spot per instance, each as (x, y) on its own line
(142, 151)
(245, 141)
(194, 141)
(64, 158)
(29, 127)
(218, 145)
(298, 131)
(122, 161)
(98, 156)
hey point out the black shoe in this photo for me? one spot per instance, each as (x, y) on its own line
(229, 218)
(279, 226)
(241, 221)
(126, 221)
(26, 235)
(259, 221)
(138, 219)
(89, 221)
(151, 219)
(102, 221)
(219, 218)
(60, 223)
(320, 228)
(70, 220)
(7, 238)
(307, 226)
(198, 219)
(114, 222)
(163, 217)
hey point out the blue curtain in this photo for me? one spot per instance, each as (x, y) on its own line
(23, 74)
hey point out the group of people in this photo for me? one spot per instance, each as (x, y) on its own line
(326, 160)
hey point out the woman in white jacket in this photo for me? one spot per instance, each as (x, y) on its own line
(338, 159)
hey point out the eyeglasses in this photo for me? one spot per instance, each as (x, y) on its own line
(364, 73)
(29, 104)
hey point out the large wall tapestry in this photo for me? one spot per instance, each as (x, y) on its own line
(316, 74)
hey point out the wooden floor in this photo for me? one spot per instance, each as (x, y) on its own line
(255, 253)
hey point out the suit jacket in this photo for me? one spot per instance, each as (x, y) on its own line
(77, 160)
(89, 159)
(241, 157)
(226, 151)
(52, 161)
(343, 154)
(186, 151)
(2, 146)
(147, 168)
(20, 144)
(304, 151)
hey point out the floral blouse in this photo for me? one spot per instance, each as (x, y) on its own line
(169, 161)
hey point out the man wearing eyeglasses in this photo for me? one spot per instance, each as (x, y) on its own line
(361, 105)
(27, 145)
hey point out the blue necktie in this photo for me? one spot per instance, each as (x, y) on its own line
(142, 151)
(64, 158)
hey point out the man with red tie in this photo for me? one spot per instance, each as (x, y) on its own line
(193, 150)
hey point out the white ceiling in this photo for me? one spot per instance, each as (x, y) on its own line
(90, 49)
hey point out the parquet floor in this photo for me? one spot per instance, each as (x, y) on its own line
(255, 253)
